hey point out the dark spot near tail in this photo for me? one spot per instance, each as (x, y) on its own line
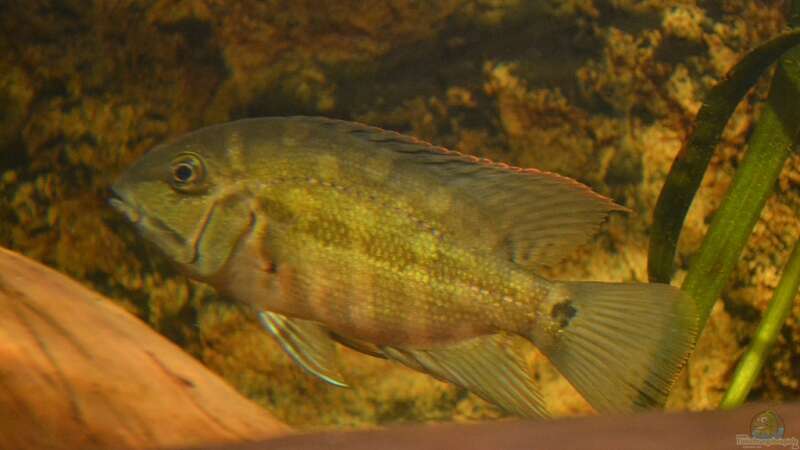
(563, 313)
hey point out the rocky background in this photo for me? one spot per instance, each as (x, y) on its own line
(600, 90)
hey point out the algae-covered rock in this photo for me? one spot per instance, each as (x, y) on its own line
(604, 91)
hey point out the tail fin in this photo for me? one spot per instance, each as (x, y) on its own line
(620, 345)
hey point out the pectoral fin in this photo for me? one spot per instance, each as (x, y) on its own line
(485, 366)
(308, 343)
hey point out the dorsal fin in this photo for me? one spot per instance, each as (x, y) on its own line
(533, 217)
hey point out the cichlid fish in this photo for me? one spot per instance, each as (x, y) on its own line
(335, 231)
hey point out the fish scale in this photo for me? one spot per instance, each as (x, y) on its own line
(332, 231)
(404, 246)
(406, 269)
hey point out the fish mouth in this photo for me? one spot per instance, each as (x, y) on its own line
(125, 206)
(153, 229)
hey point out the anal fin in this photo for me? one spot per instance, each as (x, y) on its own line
(308, 343)
(485, 366)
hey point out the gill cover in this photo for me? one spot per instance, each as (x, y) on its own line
(180, 197)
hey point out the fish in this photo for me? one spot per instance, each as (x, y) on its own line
(331, 232)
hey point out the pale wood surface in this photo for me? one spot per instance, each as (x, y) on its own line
(653, 431)
(77, 371)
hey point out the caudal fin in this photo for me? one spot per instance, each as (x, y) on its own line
(621, 345)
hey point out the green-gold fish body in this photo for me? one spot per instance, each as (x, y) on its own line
(331, 230)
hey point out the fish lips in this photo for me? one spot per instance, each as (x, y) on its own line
(125, 206)
(164, 237)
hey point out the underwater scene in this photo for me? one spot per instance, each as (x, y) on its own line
(291, 217)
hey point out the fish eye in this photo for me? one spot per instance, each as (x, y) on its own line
(183, 172)
(187, 172)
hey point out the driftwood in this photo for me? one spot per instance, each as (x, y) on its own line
(77, 371)
(655, 431)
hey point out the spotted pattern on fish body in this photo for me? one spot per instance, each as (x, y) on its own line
(371, 255)
(331, 230)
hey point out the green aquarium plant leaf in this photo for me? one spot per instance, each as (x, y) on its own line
(774, 317)
(769, 146)
(794, 14)
(691, 162)
(772, 142)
